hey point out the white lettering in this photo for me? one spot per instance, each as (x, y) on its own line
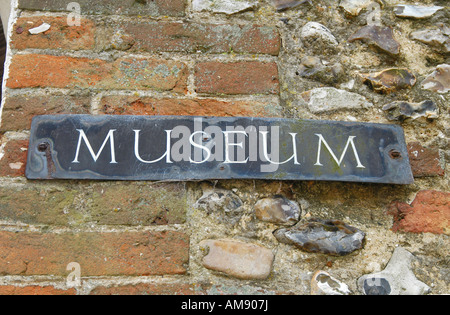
(109, 137)
(294, 148)
(136, 148)
(338, 161)
(208, 151)
(228, 145)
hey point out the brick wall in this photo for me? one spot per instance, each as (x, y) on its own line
(170, 57)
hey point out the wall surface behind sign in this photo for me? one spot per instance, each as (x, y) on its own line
(236, 58)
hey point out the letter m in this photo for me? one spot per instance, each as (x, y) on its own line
(351, 141)
(95, 156)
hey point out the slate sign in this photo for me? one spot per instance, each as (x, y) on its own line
(178, 148)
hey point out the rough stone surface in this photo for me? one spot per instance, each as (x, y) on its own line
(224, 6)
(315, 69)
(428, 213)
(354, 7)
(217, 202)
(397, 279)
(265, 69)
(151, 8)
(317, 35)
(328, 99)
(278, 210)
(319, 236)
(238, 259)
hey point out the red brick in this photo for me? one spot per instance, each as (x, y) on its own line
(99, 254)
(424, 161)
(19, 111)
(428, 213)
(132, 105)
(244, 77)
(59, 36)
(149, 289)
(206, 38)
(34, 290)
(31, 71)
(14, 160)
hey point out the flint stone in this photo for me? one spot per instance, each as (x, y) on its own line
(316, 33)
(390, 80)
(324, 100)
(238, 259)
(329, 237)
(436, 38)
(222, 203)
(401, 111)
(282, 5)
(314, 68)
(439, 80)
(397, 279)
(415, 11)
(354, 7)
(381, 37)
(278, 210)
(223, 6)
(323, 283)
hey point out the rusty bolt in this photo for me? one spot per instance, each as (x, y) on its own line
(42, 147)
(395, 154)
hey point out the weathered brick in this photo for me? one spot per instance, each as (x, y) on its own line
(34, 290)
(59, 36)
(99, 254)
(134, 105)
(19, 111)
(138, 204)
(428, 213)
(100, 203)
(127, 7)
(424, 161)
(244, 77)
(204, 38)
(31, 71)
(14, 160)
(37, 205)
(149, 289)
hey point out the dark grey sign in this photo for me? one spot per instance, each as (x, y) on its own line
(173, 148)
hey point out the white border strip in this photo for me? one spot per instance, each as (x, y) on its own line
(11, 22)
